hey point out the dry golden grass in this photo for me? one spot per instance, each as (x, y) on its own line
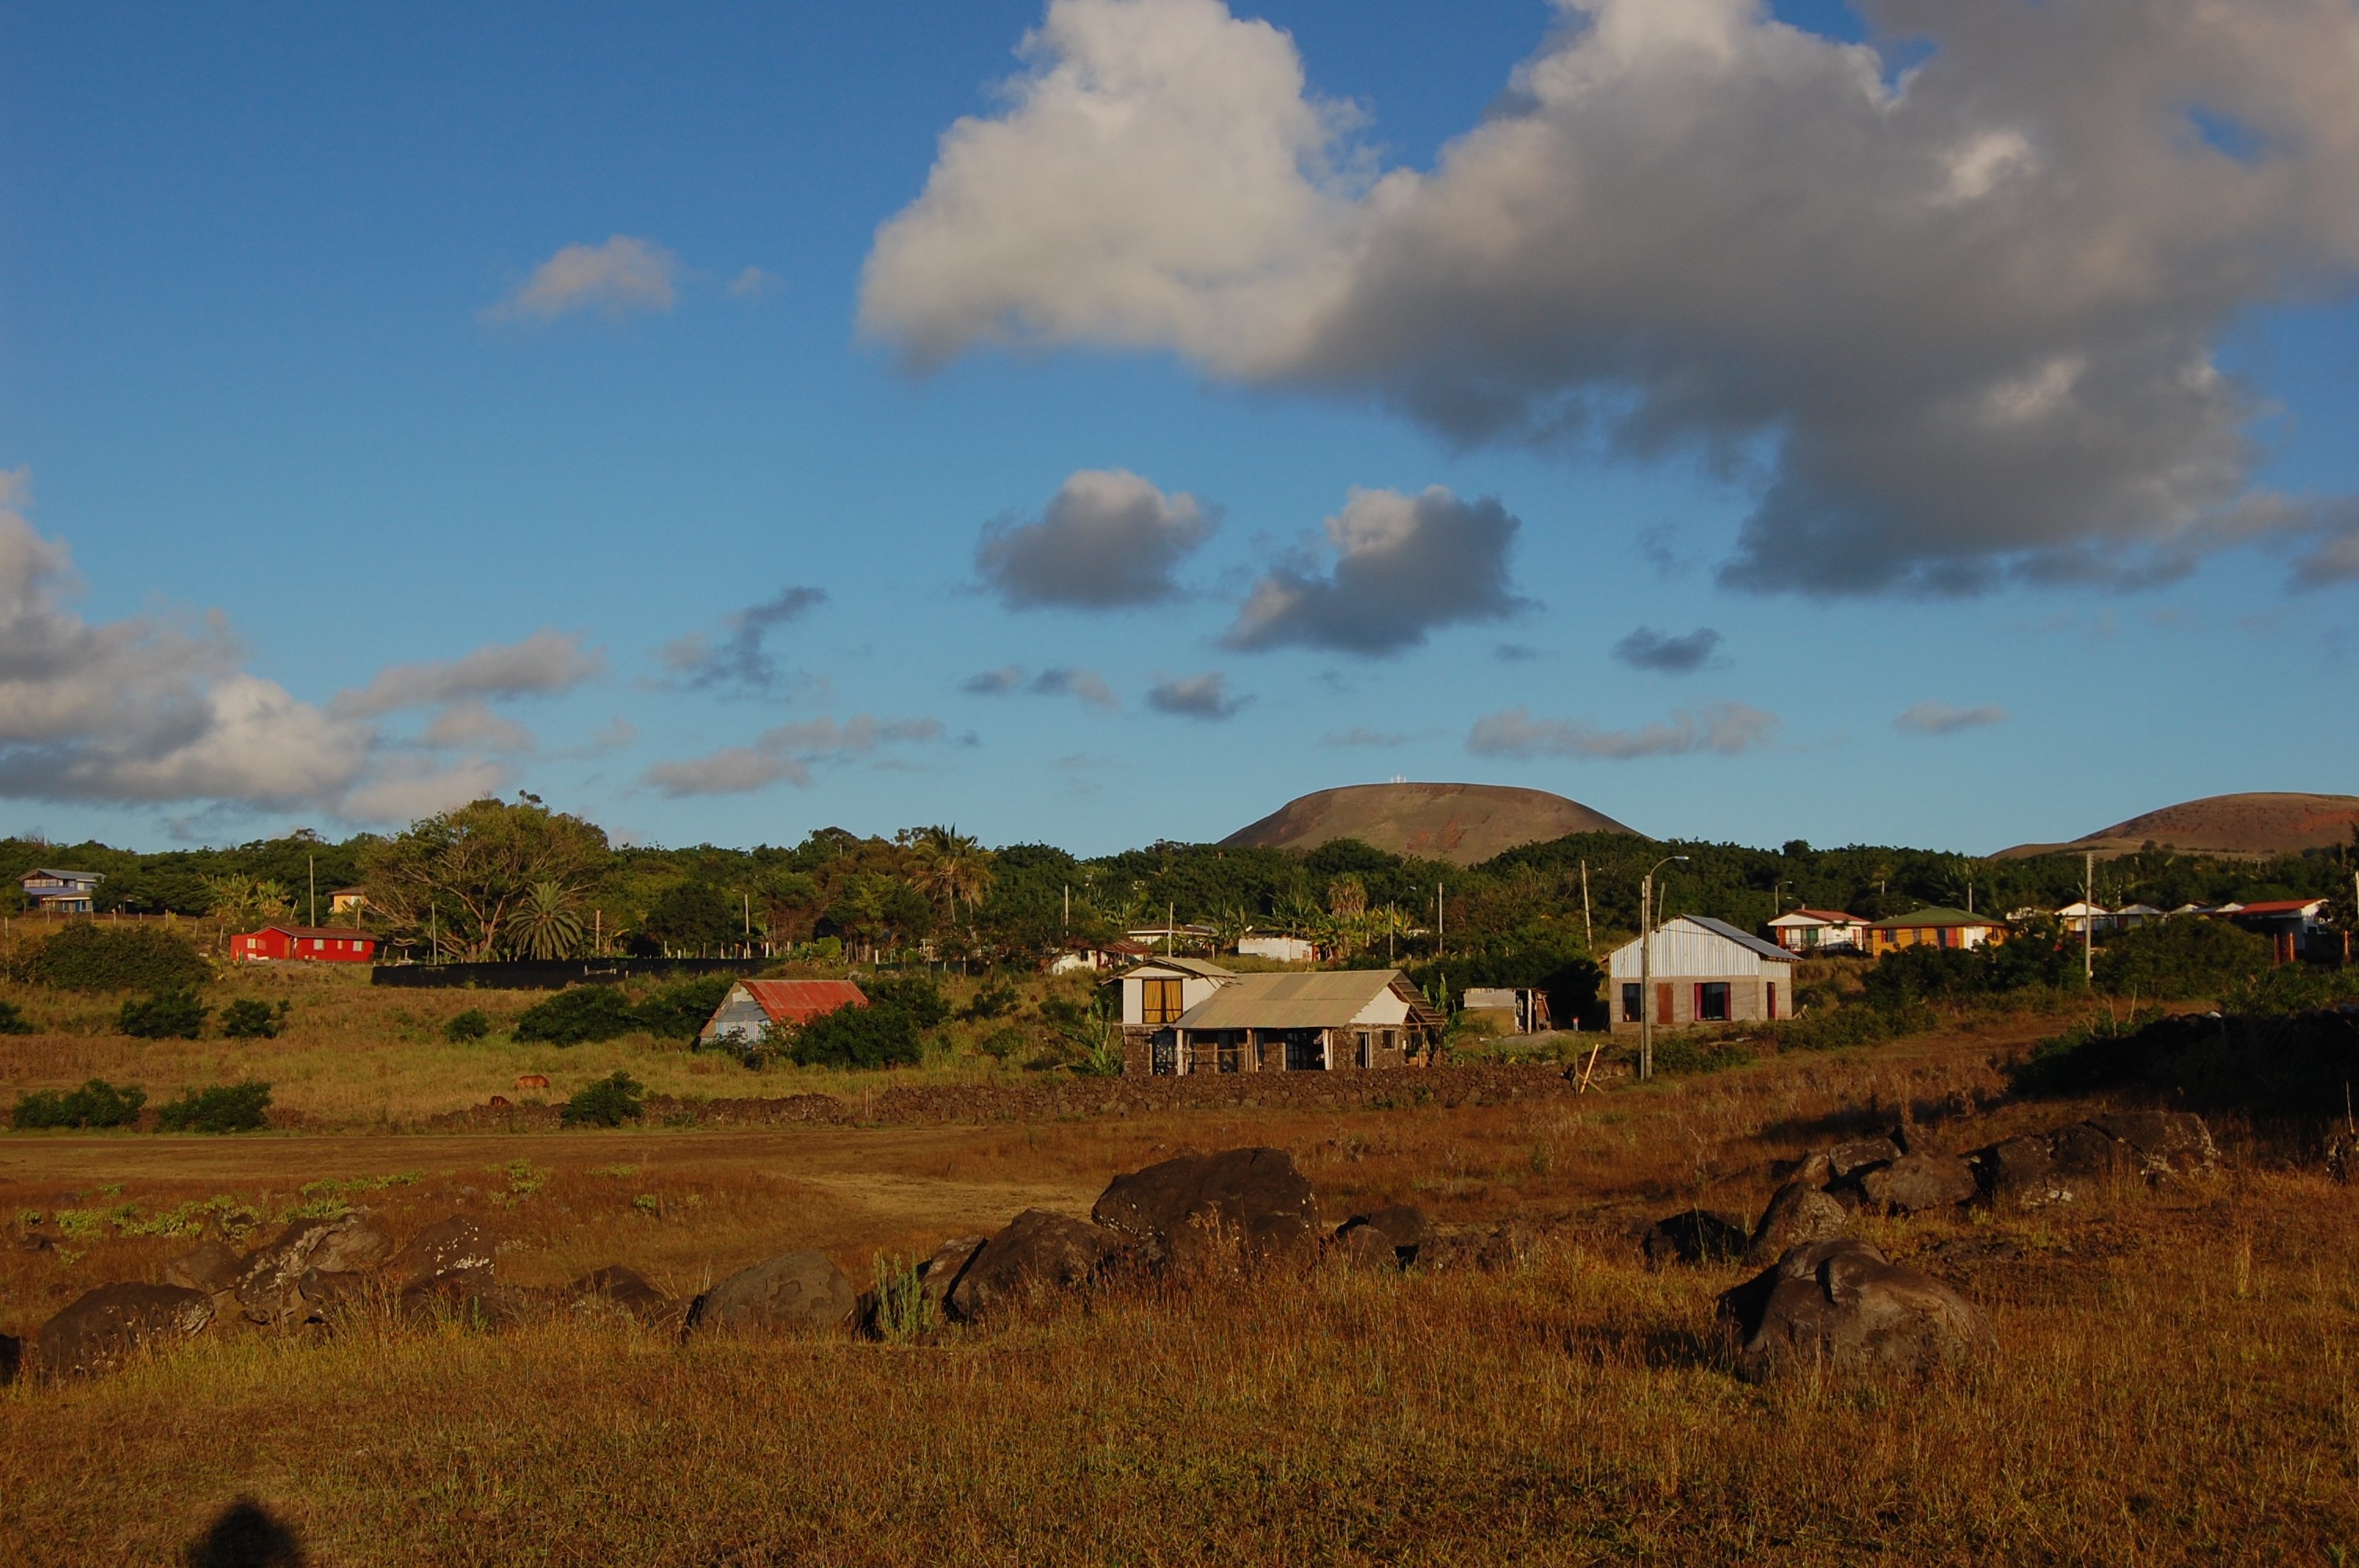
(2177, 1383)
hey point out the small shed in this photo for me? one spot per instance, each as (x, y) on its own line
(1704, 971)
(347, 901)
(311, 943)
(753, 1006)
(54, 892)
(1509, 1010)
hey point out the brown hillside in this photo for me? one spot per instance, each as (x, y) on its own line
(1456, 822)
(2258, 825)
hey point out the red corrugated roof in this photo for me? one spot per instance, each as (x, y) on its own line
(2282, 906)
(341, 931)
(800, 1001)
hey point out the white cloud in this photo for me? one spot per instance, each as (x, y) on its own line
(545, 664)
(1205, 695)
(404, 792)
(1359, 736)
(1725, 728)
(471, 725)
(1087, 685)
(993, 683)
(753, 283)
(615, 278)
(1966, 317)
(787, 752)
(1941, 719)
(1404, 566)
(1107, 538)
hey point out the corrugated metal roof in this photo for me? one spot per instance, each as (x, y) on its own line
(1328, 999)
(1926, 919)
(1185, 965)
(1743, 938)
(345, 933)
(800, 1001)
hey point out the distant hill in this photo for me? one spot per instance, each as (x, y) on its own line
(1456, 822)
(2253, 826)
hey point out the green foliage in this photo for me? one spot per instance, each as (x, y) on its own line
(471, 876)
(2180, 959)
(694, 917)
(578, 1015)
(471, 1024)
(2288, 989)
(609, 1102)
(993, 1000)
(221, 1107)
(1832, 1028)
(167, 1015)
(90, 956)
(248, 1018)
(905, 1310)
(96, 1104)
(678, 1010)
(1678, 1053)
(14, 1021)
(888, 1032)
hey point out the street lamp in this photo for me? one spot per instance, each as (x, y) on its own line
(1647, 967)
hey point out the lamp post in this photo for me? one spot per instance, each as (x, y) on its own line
(1647, 967)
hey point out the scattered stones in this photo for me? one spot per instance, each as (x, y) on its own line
(2167, 1143)
(1916, 1183)
(2068, 1163)
(1843, 1307)
(1695, 1235)
(1198, 1208)
(273, 1289)
(1038, 1251)
(796, 1292)
(1799, 1212)
(443, 1250)
(212, 1267)
(474, 1300)
(103, 1326)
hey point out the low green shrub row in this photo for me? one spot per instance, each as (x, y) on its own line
(583, 1014)
(220, 1108)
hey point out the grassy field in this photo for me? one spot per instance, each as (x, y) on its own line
(2178, 1381)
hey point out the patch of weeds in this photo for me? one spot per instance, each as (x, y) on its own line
(86, 1223)
(222, 1107)
(12, 1020)
(248, 1018)
(904, 1310)
(648, 1203)
(524, 1179)
(167, 1015)
(471, 1024)
(625, 1169)
(96, 1104)
(609, 1102)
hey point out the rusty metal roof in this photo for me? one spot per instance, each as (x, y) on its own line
(800, 1001)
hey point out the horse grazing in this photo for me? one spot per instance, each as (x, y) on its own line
(532, 1081)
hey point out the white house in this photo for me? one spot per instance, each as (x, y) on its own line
(1704, 971)
(60, 892)
(1819, 931)
(1316, 1023)
(2081, 916)
(1284, 949)
(1154, 993)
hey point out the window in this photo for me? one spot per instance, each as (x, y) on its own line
(1305, 1051)
(1712, 1001)
(1634, 1000)
(1160, 1001)
(1367, 1048)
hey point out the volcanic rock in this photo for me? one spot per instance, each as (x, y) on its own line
(102, 1327)
(1038, 1251)
(1844, 1307)
(796, 1292)
(1193, 1210)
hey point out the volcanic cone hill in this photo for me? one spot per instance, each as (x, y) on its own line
(1460, 823)
(2257, 825)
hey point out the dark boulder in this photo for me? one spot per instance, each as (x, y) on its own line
(1038, 1251)
(272, 1289)
(1695, 1235)
(1913, 1183)
(103, 1326)
(2166, 1142)
(1493, 1250)
(1361, 1246)
(1404, 1228)
(1848, 1160)
(1797, 1213)
(12, 1357)
(213, 1266)
(443, 1250)
(1843, 1307)
(1249, 1204)
(625, 1290)
(938, 1274)
(2063, 1165)
(796, 1292)
(470, 1299)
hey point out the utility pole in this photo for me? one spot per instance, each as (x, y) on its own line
(2088, 921)
(1588, 932)
(311, 876)
(1646, 968)
(1441, 920)
(1065, 921)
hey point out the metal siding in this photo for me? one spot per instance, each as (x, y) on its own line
(1685, 952)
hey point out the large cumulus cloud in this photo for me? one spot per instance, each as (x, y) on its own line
(1953, 325)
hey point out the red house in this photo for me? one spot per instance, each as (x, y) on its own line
(328, 943)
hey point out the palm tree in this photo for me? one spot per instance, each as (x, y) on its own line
(951, 867)
(546, 924)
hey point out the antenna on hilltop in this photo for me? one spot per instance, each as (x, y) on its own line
(1400, 778)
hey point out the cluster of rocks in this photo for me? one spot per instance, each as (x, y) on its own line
(1832, 1301)
(312, 1271)
(1191, 1216)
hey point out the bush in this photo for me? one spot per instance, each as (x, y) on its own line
(574, 1017)
(1831, 1028)
(249, 1018)
(167, 1015)
(888, 1032)
(96, 1104)
(2181, 957)
(222, 1108)
(469, 1025)
(679, 1009)
(609, 1102)
(87, 956)
(12, 1020)
(991, 1002)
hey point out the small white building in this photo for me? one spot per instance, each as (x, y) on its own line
(1809, 930)
(1703, 971)
(2130, 916)
(2080, 916)
(1282, 949)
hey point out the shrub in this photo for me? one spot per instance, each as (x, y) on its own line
(96, 1104)
(12, 1020)
(878, 1036)
(167, 1015)
(574, 1017)
(469, 1025)
(679, 1009)
(250, 1018)
(222, 1107)
(609, 1102)
(1831, 1028)
(991, 1002)
(2181, 957)
(87, 956)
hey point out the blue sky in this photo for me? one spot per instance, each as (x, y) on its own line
(281, 367)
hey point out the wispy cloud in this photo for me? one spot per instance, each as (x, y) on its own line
(1205, 695)
(740, 657)
(545, 664)
(1941, 719)
(1647, 649)
(622, 275)
(1724, 728)
(753, 283)
(1357, 736)
(788, 753)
